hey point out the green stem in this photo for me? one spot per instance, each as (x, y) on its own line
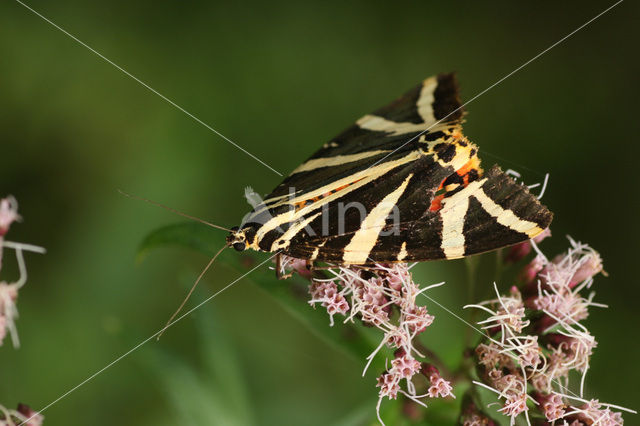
(499, 266)
(472, 269)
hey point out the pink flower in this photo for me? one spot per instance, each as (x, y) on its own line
(579, 264)
(530, 272)
(9, 291)
(521, 354)
(389, 385)
(553, 406)
(373, 294)
(22, 416)
(590, 265)
(323, 290)
(508, 315)
(326, 293)
(8, 214)
(383, 296)
(405, 366)
(490, 355)
(528, 351)
(418, 319)
(374, 314)
(288, 263)
(33, 418)
(8, 311)
(593, 412)
(439, 387)
(398, 276)
(563, 303)
(515, 404)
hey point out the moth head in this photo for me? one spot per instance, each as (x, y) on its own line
(240, 239)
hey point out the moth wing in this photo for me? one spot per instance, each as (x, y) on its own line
(381, 135)
(488, 214)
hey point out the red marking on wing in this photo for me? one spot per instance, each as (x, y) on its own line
(463, 172)
(436, 203)
(312, 200)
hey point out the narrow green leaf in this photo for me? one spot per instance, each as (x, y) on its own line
(358, 340)
(186, 234)
(223, 369)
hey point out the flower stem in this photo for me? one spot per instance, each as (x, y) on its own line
(499, 265)
(472, 268)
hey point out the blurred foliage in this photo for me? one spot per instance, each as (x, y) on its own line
(279, 78)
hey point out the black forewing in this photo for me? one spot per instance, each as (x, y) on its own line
(420, 230)
(445, 105)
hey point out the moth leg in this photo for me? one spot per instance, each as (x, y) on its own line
(279, 270)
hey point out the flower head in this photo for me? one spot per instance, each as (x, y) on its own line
(438, 387)
(8, 214)
(405, 366)
(288, 263)
(23, 415)
(9, 290)
(536, 338)
(389, 384)
(327, 294)
(552, 405)
(8, 311)
(383, 296)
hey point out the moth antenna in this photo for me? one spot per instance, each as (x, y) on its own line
(204, 271)
(172, 210)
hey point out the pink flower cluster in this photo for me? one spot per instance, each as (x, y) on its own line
(8, 214)
(8, 313)
(534, 338)
(24, 416)
(383, 296)
(9, 290)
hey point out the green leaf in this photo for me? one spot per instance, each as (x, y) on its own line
(356, 339)
(187, 234)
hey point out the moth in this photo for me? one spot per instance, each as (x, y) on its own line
(414, 187)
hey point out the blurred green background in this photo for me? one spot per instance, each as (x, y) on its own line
(280, 79)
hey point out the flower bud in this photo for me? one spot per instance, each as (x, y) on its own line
(8, 214)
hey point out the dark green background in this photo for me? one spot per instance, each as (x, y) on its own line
(279, 78)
